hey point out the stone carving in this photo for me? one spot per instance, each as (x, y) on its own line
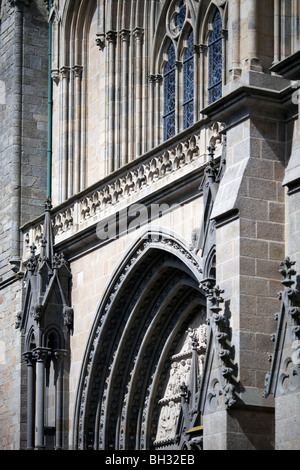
(284, 374)
(127, 184)
(222, 382)
(177, 388)
(168, 421)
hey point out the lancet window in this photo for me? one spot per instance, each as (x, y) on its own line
(215, 54)
(188, 80)
(169, 94)
(179, 76)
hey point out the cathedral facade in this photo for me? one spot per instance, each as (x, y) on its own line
(150, 225)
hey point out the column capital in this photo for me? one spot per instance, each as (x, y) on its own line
(77, 70)
(60, 353)
(100, 40)
(65, 72)
(155, 78)
(111, 37)
(41, 354)
(29, 358)
(138, 34)
(125, 35)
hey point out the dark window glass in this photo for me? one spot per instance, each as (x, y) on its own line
(180, 17)
(169, 94)
(215, 59)
(188, 83)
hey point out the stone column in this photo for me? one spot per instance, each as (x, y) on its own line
(158, 109)
(30, 360)
(111, 38)
(151, 80)
(125, 38)
(15, 170)
(65, 76)
(77, 70)
(253, 61)
(60, 355)
(277, 28)
(138, 37)
(235, 20)
(41, 355)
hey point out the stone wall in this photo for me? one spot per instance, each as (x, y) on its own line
(93, 270)
(23, 122)
(23, 157)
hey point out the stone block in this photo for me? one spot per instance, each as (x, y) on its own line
(254, 248)
(270, 231)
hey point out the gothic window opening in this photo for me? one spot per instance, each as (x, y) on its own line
(169, 94)
(215, 54)
(188, 80)
(181, 15)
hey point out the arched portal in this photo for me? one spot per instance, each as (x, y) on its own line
(140, 335)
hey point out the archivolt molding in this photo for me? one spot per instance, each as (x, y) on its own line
(100, 351)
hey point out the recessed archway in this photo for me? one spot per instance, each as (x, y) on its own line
(152, 300)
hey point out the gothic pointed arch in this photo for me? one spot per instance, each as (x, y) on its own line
(139, 350)
(211, 28)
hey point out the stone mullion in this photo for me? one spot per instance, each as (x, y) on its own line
(178, 96)
(202, 81)
(111, 38)
(77, 70)
(196, 81)
(125, 37)
(30, 360)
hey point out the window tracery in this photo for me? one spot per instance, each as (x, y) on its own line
(180, 16)
(179, 71)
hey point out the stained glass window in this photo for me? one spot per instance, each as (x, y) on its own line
(169, 94)
(180, 17)
(215, 59)
(188, 83)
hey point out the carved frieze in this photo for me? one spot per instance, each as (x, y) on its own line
(95, 204)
